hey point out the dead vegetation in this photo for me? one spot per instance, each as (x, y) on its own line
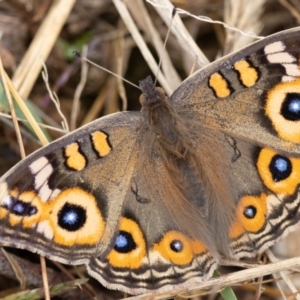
(35, 32)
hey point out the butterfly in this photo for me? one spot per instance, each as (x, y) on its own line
(150, 200)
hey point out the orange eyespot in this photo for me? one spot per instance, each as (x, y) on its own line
(282, 108)
(130, 246)
(279, 173)
(177, 248)
(74, 218)
(250, 215)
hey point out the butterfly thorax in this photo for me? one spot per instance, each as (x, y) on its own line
(167, 128)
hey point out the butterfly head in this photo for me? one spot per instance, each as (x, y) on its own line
(152, 96)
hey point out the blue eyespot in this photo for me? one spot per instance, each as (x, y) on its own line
(280, 167)
(250, 212)
(19, 207)
(31, 211)
(176, 246)
(71, 217)
(290, 108)
(121, 241)
(124, 242)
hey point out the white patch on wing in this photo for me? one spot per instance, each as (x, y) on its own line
(276, 54)
(3, 192)
(274, 47)
(45, 229)
(42, 169)
(46, 193)
(292, 69)
(281, 58)
(287, 78)
(38, 165)
(7, 201)
(155, 258)
(43, 176)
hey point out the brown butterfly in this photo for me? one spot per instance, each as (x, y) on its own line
(149, 200)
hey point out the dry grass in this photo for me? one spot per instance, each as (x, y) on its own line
(50, 24)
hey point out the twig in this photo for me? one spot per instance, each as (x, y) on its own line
(16, 268)
(26, 111)
(284, 277)
(79, 89)
(291, 9)
(5, 80)
(179, 31)
(45, 277)
(41, 46)
(54, 98)
(122, 9)
(244, 15)
(143, 19)
(120, 45)
(162, 4)
(229, 280)
(40, 124)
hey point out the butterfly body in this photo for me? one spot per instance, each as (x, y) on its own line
(150, 200)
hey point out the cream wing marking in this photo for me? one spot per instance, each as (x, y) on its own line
(276, 54)
(42, 170)
(274, 47)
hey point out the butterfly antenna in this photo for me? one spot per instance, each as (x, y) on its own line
(104, 69)
(165, 43)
